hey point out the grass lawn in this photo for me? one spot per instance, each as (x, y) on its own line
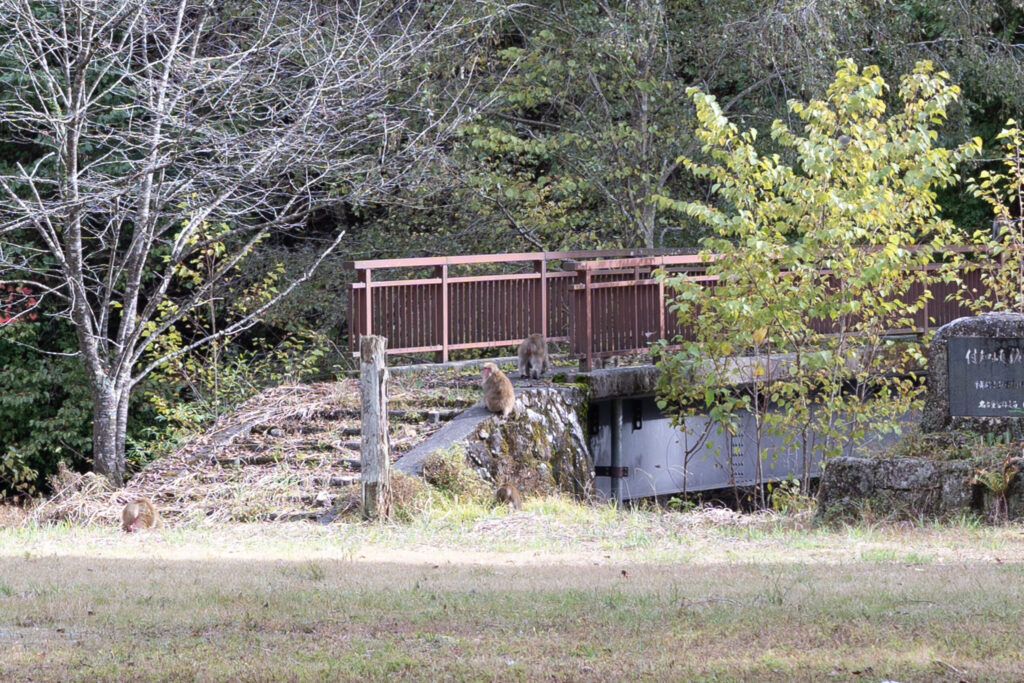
(557, 592)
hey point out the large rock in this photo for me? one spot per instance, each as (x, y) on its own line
(541, 447)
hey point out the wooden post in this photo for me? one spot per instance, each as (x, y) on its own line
(375, 448)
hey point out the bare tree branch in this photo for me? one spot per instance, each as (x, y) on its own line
(155, 124)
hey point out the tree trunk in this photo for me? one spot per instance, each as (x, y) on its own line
(109, 422)
(648, 218)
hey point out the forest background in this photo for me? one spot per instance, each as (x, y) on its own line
(551, 126)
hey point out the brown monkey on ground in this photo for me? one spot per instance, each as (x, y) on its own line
(533, 356)
(140, 514)
(508, 494)
(499, 397)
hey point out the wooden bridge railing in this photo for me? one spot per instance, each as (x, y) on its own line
(465, 302)
(602, 303)
(620, 317)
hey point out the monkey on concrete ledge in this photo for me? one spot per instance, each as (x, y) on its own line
(533, 356)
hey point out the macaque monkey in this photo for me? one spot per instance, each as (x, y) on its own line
(533, 356)
(140, 514)
(508, 494)
(499, 397)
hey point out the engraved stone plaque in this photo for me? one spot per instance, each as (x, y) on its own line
(976, 376)
(986, 376)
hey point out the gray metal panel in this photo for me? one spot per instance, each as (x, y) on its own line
(655, 453)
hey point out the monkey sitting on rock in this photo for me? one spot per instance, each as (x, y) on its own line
(499, 396)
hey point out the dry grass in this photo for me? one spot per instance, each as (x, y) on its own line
(555, 592)
(12, 515)
(283, 455)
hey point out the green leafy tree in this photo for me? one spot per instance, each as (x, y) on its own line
(585, 120)
(764, 54)
(815, 259)
(582, 114)
(1002, 263)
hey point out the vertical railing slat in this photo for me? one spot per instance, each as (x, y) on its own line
(587, 325)
(542, 288)
(367, 304)
(442, 322)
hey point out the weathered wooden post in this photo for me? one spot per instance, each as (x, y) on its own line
(375, 448)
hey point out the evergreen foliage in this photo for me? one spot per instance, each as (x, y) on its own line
(44, 405)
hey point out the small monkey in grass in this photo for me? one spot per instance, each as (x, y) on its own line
(499, 396)
(533, 356)
(508, 494)
(140, 514)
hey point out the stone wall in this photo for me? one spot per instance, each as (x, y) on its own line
(910, 488)
(975, 386)
(899, 488)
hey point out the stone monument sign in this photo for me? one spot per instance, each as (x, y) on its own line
(976, 375)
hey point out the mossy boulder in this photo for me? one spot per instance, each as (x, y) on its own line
(541, 447)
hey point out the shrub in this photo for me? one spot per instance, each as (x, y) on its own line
(44, 406)
(450, 473)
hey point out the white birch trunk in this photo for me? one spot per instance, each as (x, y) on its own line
(109, 423)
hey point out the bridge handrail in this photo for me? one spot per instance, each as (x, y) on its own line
(473, 259)
(600, 302)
